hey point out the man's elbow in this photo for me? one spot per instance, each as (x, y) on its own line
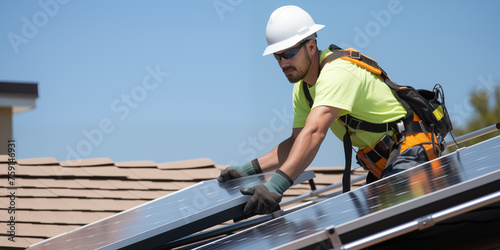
(316, 132)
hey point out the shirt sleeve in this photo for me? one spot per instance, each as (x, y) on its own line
(337, 87)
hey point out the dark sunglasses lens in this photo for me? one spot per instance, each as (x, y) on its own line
(291, 52)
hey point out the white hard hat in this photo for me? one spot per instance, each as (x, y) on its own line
(287, 26)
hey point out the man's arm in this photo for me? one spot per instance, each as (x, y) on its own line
(269, 162)
(311, 136)
(297, 154)
(308, 141)
(274, 159)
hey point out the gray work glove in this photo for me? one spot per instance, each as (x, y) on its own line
(233, 172)
(266, 197)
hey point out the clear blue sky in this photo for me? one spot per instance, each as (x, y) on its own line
(176, 80)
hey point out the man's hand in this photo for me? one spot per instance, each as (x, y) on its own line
(262, 202)
(266, 197)
(234, 172)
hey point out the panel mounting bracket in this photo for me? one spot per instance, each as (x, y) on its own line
(332, 235)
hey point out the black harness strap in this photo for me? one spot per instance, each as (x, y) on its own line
(368, 126)
(307, 94)
(346, 177)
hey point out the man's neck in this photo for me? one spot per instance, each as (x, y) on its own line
(313, 72)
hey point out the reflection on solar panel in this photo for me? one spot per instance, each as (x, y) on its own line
(434, 186)
(165, 219)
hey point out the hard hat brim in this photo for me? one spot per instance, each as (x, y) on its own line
(292, 40)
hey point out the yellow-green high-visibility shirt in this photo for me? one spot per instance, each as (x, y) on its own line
(354, 90)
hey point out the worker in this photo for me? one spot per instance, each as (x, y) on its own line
(339, 88)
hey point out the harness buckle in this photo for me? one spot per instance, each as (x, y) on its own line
(354, 123)
(401, 130)
(386, 142)
(401, 126)
(355, 54)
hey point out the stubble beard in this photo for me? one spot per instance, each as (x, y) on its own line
(298, 75)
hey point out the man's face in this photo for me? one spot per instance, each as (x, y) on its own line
(297, 66)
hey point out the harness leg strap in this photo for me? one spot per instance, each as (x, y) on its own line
(346, 178)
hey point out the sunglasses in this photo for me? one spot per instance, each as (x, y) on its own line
(290, 53)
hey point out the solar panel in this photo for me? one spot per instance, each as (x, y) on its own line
(165, 219)
(448, 181)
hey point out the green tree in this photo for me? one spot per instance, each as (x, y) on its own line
(486, 113)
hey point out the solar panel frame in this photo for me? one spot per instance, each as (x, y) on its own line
(454, 179)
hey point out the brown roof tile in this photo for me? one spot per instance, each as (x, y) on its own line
(95, 183)
(83, 204)
(56, 183)
(41, 230)
(156, 174)
(160, 185)
(30, 216)
(33, 171)
(38, 161)
(128, 184)
(52, 171)
(116, 194)
(150, 195)
(25, 182)
(20, 242)
(87, 162)
(183, 184)
(103, 215)
(35, 192)
(116, 205)
(44, 204)
(32, 241)
(75, 193)
(107, 171)
(31, 230)
(65, 171)
(71, 217)
(195, 163)
(136, 164)
(202, 173)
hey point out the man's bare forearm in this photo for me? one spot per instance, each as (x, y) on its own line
(307, 143)
(302, 153)
(274, 159)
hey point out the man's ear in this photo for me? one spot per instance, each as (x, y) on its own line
(311, 47)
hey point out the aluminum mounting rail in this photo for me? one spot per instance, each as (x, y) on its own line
(474, 134)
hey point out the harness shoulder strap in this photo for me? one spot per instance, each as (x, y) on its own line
(352, 56)
(307, 94)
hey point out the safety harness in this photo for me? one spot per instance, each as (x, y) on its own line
(426, 122)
